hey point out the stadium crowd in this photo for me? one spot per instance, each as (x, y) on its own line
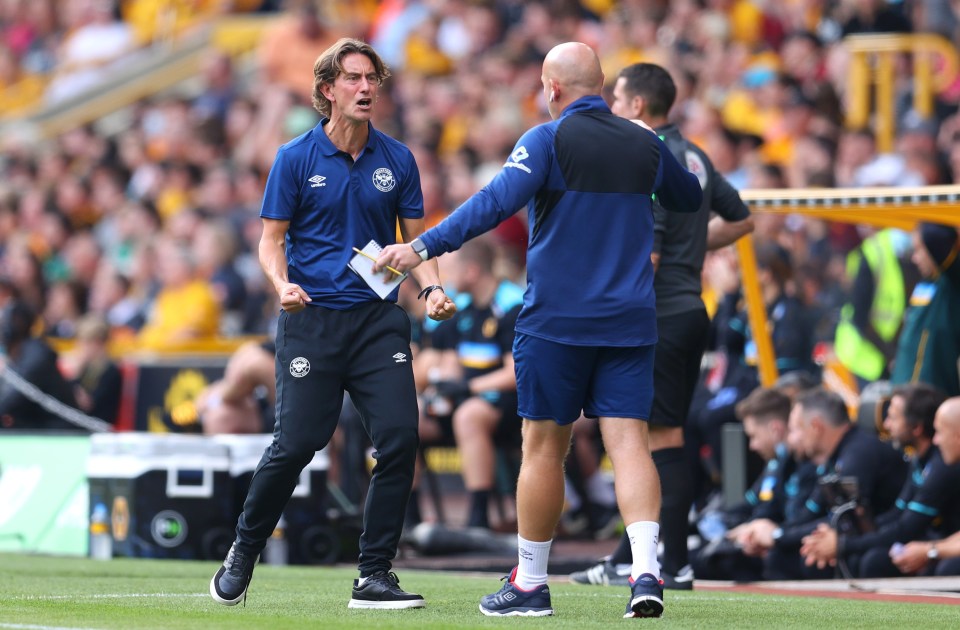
(152, 231)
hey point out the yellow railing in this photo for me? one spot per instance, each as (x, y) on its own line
(882, 207)
(873, 62)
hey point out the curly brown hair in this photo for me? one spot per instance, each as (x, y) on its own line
(329, 65)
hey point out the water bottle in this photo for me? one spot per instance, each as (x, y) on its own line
(101, 541)
(711, 526)
(276, 550)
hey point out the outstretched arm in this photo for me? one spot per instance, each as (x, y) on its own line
(438, 305)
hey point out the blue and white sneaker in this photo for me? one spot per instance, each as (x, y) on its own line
(646, 597)
(513, 601)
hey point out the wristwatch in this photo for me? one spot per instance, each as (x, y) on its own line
(421, 249)
(933, 553)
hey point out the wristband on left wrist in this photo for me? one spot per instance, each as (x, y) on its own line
(425, 294)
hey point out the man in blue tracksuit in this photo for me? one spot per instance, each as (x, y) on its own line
(586, 334)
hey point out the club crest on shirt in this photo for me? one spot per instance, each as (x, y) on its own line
(696, 166)
(384, 180)
(299, 367)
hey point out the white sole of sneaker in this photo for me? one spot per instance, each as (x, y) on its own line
(221, 600)
(518, 613)
(399, 605)
(645, 606)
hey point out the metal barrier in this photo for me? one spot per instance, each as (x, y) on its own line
(882, 207)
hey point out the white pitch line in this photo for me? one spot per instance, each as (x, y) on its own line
(106, 596)
(23, 626)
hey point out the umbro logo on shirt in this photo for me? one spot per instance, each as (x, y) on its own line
(400, 358)
(317, 181)
(518, 156)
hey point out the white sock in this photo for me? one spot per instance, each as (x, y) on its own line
(532, 565)
(644, 537)
(600, 490)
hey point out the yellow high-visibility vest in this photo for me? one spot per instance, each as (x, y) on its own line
(856, 353)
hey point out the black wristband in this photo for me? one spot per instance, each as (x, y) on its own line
(426, 292)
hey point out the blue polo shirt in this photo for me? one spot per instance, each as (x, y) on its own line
(334, 204)
(587, 179)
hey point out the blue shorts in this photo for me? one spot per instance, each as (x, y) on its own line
(559, 381)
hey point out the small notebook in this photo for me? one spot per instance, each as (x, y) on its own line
(381, 283)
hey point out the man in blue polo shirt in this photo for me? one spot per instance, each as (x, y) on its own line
(586, 334)
(337, 186)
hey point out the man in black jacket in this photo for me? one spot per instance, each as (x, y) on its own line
(928, 505)
(778, 493)
(820, 426)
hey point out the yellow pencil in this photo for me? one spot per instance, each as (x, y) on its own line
(366, 255)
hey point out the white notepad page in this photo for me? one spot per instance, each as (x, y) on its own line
(381, 283)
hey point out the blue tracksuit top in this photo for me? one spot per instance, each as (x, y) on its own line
(588, 178)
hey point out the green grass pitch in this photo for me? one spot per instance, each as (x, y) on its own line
(44, 593)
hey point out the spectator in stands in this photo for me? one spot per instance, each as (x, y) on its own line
(856, 148)
(96, 378)
(219, 89)
(292, 44)
(929, 346)
(939, 557)
(929, 503)
(875, 16)
(66, 302)
(110, 297)
(82, 256)
(96, 39)
(186, 307)
(23, 269)
(35, 362)
(476, 370)
(214, 248)
(820, 425)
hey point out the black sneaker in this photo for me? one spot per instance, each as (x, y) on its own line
(229, 585)
(682, 581)
(382, 590)
(604, 573)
